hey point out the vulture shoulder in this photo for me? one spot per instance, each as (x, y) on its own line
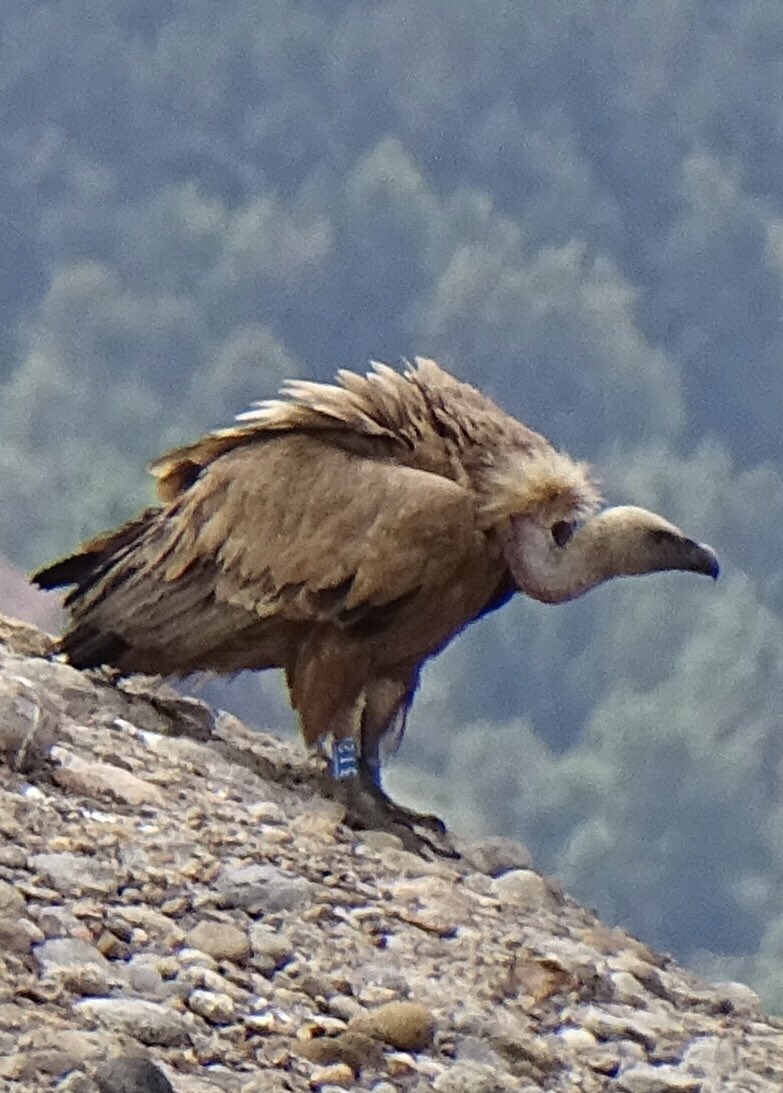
(422, 418)
(302, 530)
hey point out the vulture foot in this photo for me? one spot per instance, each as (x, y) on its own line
(402, 815)
(367, 808)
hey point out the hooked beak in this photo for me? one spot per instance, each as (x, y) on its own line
(704, 560)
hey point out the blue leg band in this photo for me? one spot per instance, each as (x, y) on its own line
(344, 759)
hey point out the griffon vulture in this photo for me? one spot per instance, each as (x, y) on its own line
(345, 534)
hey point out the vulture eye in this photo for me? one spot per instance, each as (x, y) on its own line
(562, 531)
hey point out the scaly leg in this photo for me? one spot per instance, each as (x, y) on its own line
(370, 775)
(365, 717)
(385, 708)
(369, 809)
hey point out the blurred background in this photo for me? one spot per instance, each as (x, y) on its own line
(577, 206)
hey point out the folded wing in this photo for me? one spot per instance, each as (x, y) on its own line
(273, 537)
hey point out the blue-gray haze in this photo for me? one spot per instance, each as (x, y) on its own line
(577, 205)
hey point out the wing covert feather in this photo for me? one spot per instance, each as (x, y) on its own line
(304, 531)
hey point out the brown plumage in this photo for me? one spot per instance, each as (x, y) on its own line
(345, 534)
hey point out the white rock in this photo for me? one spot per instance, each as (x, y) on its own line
(742, 998)
(522, 888)
(148, 1022)
(216, 1008)
(576, 1039)
(628, 989)
(658, 1079)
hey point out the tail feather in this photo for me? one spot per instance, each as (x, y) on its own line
(98, 569)
(127, 612)
(70, 570)
(87, 565)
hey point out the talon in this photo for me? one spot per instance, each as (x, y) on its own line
(403, 815)
(369, 809)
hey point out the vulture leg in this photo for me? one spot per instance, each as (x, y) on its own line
(356, 769)
(370, 775)
(386, 705)
(369, 809)
(356, 724)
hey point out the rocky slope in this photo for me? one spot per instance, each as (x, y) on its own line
(182, 909)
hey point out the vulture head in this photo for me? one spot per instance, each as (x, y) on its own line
(558, 561)
(558, 543)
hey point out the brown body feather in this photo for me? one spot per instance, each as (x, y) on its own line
(345, 534)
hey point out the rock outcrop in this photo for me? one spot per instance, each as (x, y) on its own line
(182, 909)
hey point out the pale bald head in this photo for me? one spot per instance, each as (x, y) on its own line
(560, 562)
